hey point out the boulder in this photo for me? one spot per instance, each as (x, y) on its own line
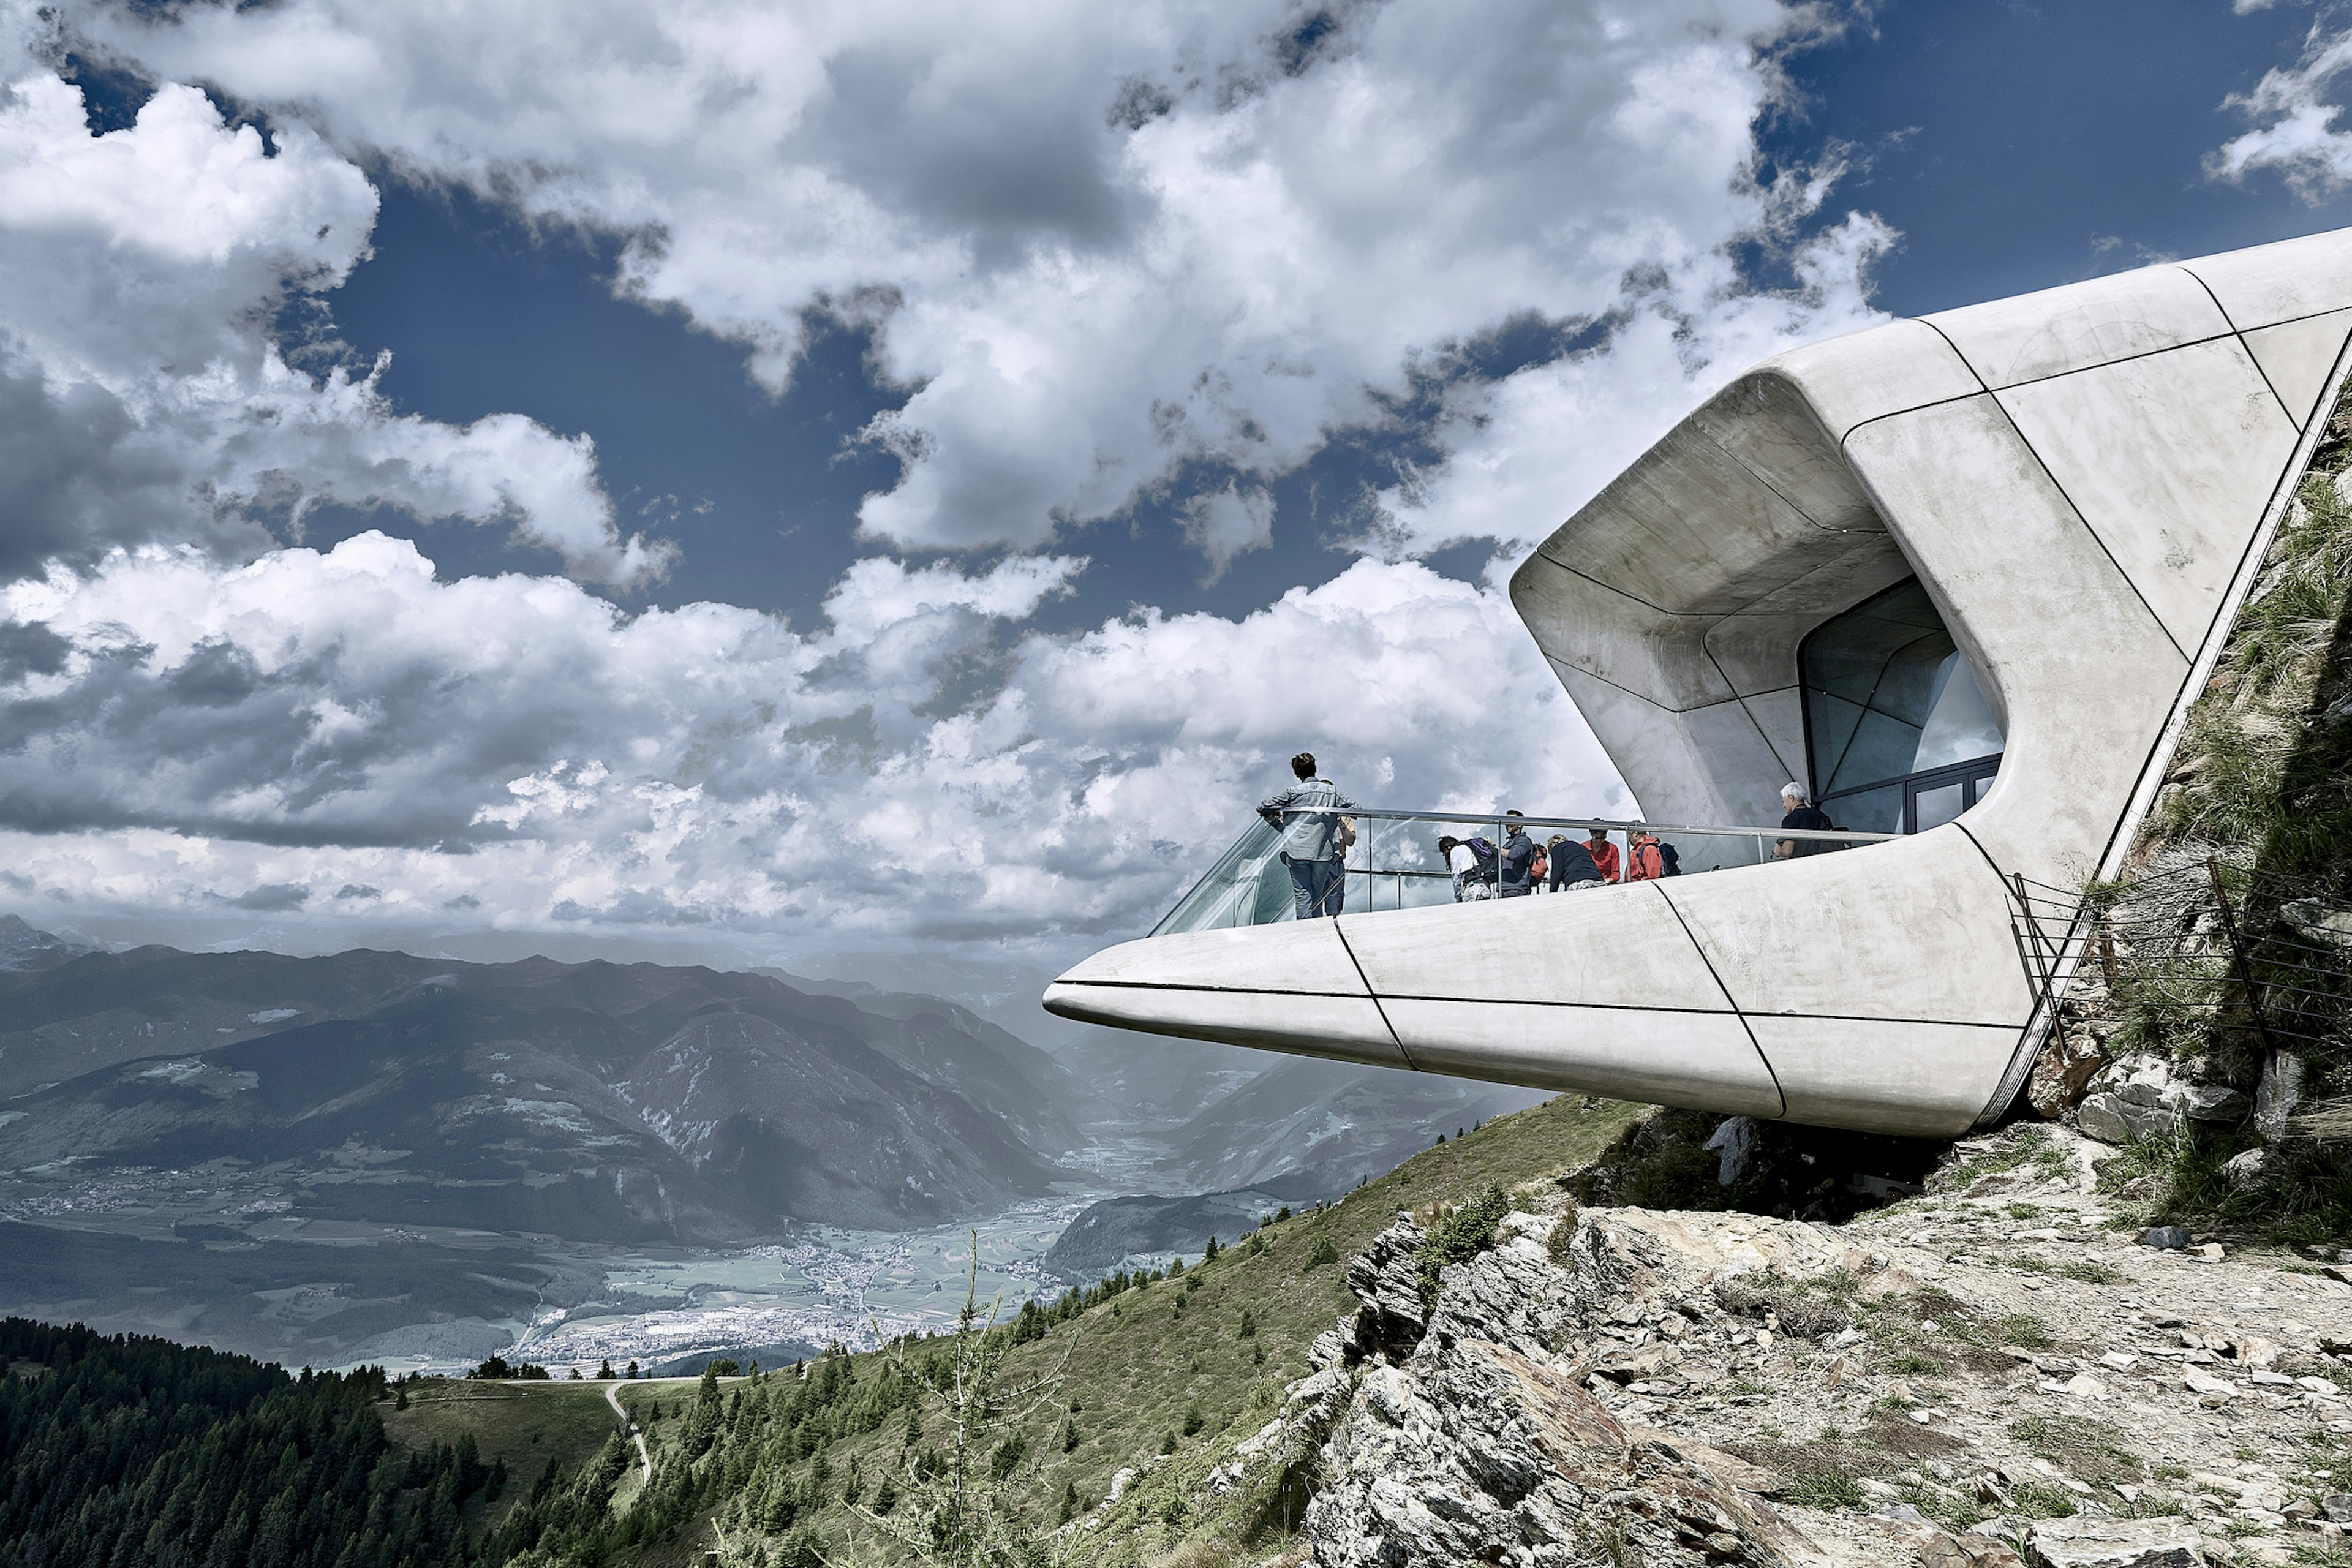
(2064, 1071)
(2090, 1541)
(2110, 1121)
(1734, 1143)
(2316, 919)
(2278, 1095)
(2149, 1098)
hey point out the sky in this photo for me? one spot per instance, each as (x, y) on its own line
(881, 489)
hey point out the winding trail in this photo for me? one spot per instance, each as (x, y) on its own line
(613, 1398)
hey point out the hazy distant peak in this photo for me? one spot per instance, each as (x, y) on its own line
(24, 946)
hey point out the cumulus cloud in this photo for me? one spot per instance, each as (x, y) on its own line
(1101, 244)
(1106, 251)
(142, 397)
(2294, 123)
(1523, 450)
(517, 750)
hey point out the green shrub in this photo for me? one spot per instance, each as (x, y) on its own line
(1460, 1236)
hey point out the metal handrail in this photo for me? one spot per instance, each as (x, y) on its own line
(1834, 835)
(1247, 887)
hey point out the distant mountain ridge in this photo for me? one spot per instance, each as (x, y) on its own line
(593, 1102)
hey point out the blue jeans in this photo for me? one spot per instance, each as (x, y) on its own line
(1319, 885)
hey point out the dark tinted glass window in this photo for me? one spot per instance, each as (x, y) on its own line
(1887, 695)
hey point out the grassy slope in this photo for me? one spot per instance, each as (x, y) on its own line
(527, 1424)
(1135, 1364)
(1138, 1363)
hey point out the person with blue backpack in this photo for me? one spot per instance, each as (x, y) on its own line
(1473, 862)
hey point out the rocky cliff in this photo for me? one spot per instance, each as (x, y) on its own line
(1992, 1372)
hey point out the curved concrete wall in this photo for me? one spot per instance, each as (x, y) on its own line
(2080, 479)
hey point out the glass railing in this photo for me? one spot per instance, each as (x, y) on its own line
(1394, 863)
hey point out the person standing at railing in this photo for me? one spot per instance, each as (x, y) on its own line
(1572, 864)
(1315, 838)
(1643, 861)
(1603, 853)
(1474, 876)
(1518, 878)
(1801, 813)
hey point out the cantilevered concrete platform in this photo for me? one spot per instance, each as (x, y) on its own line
(2080, 480)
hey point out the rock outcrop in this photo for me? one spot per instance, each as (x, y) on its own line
(2149, 1098)
(1988, 1376)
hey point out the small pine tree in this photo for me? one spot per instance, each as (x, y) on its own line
(400, 1399)
(1070, 1504)
(632, 1370)
(1248, 1329)
(1069, 1437)
(1194, 1419)
(604, 1370)
(962, 1517)
(1258, 1355)
(1209, 1252)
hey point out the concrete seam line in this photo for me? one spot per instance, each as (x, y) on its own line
(2252, 357)
(1340, 931)
(1741, 698)
(2003, 1024)
(1752, 1042)
(1611, 587)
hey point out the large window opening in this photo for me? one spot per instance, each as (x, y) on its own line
(1900, 737)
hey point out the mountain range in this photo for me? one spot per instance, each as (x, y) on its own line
(595, 1101)
(375, 1151)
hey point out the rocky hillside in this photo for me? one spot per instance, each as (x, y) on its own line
(1997, 1370)
(1470, 1368)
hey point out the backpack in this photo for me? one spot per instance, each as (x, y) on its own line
(1538, 868)
(1672, 857)
(1646, 863)
(1482, 850)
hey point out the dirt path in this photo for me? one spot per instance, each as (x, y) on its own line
(613, 1398)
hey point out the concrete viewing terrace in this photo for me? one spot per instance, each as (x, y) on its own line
(1960, 575)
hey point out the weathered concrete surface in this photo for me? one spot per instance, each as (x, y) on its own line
(2075, 477)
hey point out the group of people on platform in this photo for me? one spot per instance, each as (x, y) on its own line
(1520, 867)
(1318, 833)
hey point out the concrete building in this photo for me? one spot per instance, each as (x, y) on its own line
(1960, 575)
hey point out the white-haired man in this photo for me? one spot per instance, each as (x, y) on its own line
(1799, 812)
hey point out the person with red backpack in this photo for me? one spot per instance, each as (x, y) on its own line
(1644, 864)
